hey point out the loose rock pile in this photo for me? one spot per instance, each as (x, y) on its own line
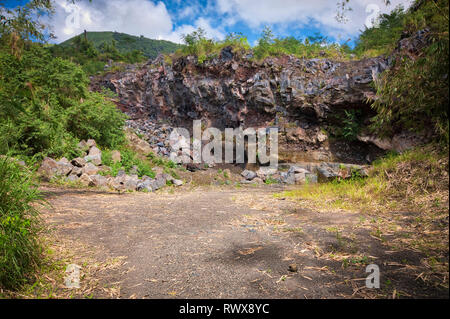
(157, 135)
(89, 171)
(301, 173)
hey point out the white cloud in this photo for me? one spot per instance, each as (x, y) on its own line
(153, 20)
(135, 17)
(303, 13)
(203, 23)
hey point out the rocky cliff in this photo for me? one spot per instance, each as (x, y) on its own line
(309, 100)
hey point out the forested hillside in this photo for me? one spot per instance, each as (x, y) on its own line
(93, 50)
(126, 43)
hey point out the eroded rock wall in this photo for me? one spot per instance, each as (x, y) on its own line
(303, 98)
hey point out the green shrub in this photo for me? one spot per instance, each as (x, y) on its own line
(98, 119)
(383, 38)
(128, 160)
(45, 106)
(413, 94)
(196, 43)
(311, 47)
(19, 224)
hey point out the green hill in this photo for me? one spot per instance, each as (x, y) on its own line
(126, 43)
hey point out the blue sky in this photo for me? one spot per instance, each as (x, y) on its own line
(169, 19)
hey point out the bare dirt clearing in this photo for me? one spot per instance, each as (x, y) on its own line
(226, 242)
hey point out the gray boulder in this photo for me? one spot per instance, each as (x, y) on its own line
(64, 161)
(265, 171)
(300, 178)
(72, 178)
(50, 168)
(63, 167)
(326, 174)
(145, 185)
(90, 169)
(99, 180)
(90, 143)
(311, 178)
(297, 170)
(77, 171)
(94, 156)
(82, 146)
(177, 182)
(130, 182)
(79, 162)
(287, 178)
(86, 180)
(248, 175)
(159, 182)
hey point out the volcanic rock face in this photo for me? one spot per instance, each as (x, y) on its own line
(303, 98)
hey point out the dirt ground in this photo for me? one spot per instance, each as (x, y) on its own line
(230, 242)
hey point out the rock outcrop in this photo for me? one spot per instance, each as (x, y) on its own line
(305, 99)
(302, 173)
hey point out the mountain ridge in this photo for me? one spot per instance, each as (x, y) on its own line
(126, 43)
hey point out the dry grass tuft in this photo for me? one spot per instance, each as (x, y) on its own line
(405, 195)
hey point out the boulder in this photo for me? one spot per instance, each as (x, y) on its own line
(177, 182)
(130, 182)
(91, 143)
(90, 169)
(99, 180)
(86, 180)
(265, 171)
(117, 182)
(77, 171)
(311, 178)
(297, 170)
(145, 178)
(21, 163)
(64, 161)
(145, 185)
(248, 175)
(192, 167)
(72, 178)
(137, 144)
(287, 178)
(159, 181)
(257, 180)
(63, 167)
(82, 146)
(326, 174)
(79, 162)
(50, 168)
(94, 156)
(300, 178)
